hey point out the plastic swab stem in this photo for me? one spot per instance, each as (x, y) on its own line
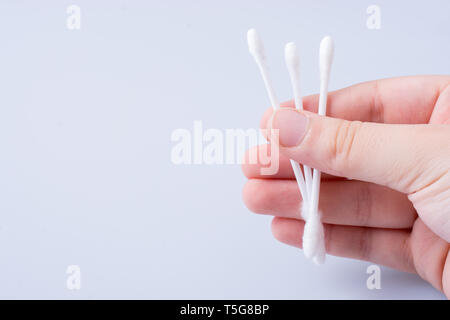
(292, 58)
(256, 49)
(325, 61)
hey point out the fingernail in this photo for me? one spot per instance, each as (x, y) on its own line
(292, 126)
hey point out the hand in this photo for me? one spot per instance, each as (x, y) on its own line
(395, 144)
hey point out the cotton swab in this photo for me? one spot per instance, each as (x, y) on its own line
(292, 58)
(256, 48)
(313, 237)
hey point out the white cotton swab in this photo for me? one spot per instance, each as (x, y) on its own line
(314, 233)
(292, 58)
(256, 48)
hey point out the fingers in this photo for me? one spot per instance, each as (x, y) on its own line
(441, 111)
(395, 100)
(352, 203)
(260, 157)
(389, 247)
(403, 157)
(431, 256)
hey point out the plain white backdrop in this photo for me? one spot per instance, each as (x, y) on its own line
(85, 123)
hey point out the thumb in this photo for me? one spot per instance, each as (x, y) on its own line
(403, 157)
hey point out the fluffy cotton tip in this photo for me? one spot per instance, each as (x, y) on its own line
(314, 238)
(311, 235)
(304, 210)
(326, 54)
(291, 55)
(255, 45)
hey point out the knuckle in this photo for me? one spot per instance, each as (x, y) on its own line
(328, 236)
(364, 244)
(364, 204)
(343, 147)
(406, 253)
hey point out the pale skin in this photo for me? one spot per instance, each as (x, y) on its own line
(392, 138)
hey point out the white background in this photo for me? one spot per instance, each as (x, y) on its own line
(85, 122)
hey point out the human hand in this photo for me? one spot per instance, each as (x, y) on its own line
(395, 144)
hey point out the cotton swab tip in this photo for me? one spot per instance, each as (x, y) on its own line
(326, 54)
(255, 45)
(291, 54)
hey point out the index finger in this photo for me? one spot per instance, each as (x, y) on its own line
(408, 100)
